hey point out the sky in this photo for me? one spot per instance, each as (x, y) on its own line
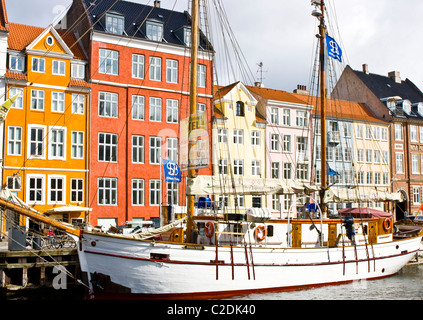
(385, 34)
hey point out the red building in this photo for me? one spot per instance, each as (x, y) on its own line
(139, 69)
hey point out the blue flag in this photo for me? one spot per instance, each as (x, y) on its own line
(334, 50)
(332, 172)
(172, 172)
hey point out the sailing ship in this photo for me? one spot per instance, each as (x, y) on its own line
(228, 255)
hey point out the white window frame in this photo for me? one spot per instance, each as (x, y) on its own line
(115, 24)
(110, 101)
(78, 103)
(41, 144)
(138, 66)
(415, 164)
(238, 167)
(399, 163)
(108, 62)
(416, 195)
(222, 135)
(172, 147)
(172, 111)
(59, 68)
(16, 63)
(57, 101)
(155, 150)
(38, 65)
(155, 69)
(57, 190)
(255, 168)
(79, 192)
(255, 138)
(172, 73)
(202, 75)
(172, 193)
(238, 136)
(77, 146)
(14, 143)
(286, 117)
(77, 71)
(113, 147)
(138, 189)
(138, 148)
(156, 105)
(37, 98)
(29, 189)
(111, 190)
(154, 31)
(18, 104)
(138, 107)
(155, 192)
(274, 142)
(54, 144)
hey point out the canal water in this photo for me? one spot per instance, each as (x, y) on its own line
(406, 285)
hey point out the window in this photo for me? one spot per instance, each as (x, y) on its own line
(368, 132)
(172, 195)
(56, 190)
(202, 73)
(255, 168)
(348, 154)
(155, 109)
(57, 144)
(107, 191)
(274, 116)
(59, 67)
(329, 153)
(347, 130)
(172, 110)
(286, 117)
(36, 141)
(255, 138)
(301, 119)
(369, 156)
(222, 135)
(57, 101)
(155, 150)
(274, 142)
(114, 24)
(14, 142)
(107, 147)
(155, 69)
(398, 132)
(287, 201)
(287, 170)
(155, 192)
(78, 103)
(37, 99)
(377, 156)
(77, 71)
(238, 136)
(369, 178)
(108, 104)
(386, 178)
(138, 66)
(109, 62)
(14, 183)
(223, 202)
(138, 107)
(77, 190)
(36, 189)
(338, 154)
(137, 149)
(318, 152)
(385, 134)
(286, 143)
(256, 201)
(18, 104)
(38, 64)
(172, 149)
(240, 112)
(385, 157)
(378, 178)
(302, 144)
(416, 195)
(172, 71)
(223, 166)
(302, 171)
(238, 167)
(276, 202)
(239, 201)
(360, 131)
(138, 192)
(415, 164)
(16, 63)
(77, 144)
(154, 31)
(413, 133)
(360, 155)
(360, 177)
(275, 170)
(399, 162)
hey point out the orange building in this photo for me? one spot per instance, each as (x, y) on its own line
(46, 136)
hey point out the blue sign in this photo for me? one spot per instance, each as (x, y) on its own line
(172, 172)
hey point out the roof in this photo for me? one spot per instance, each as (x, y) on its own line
(276, 95)
(135, 16)
(3, 16)
(21, 36)
(340, 108)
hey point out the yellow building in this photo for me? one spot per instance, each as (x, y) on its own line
(239, 145)
(46, 130)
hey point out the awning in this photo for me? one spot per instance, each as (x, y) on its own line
(363, 213)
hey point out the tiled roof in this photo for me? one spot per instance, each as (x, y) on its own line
(3, 16)
(73, 44)
(16, 75)
(79, 83)
(276, 95)
(136, 14)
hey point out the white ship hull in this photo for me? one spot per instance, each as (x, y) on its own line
(127, 268)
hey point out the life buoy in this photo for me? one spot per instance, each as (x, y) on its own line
(209, 229)
(387, 224)
(260, 233)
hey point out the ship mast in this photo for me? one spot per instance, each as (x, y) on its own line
(319, 13)
(192, 107)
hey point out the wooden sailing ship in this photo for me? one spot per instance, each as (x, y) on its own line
(222, 256)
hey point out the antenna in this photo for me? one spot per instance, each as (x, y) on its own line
(260, 71)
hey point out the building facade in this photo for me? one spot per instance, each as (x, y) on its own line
(139, 68)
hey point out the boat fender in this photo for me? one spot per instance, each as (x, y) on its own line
(260, 233)
(349, 227)
(387, 224)
(209, 229)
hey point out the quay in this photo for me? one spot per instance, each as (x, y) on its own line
(36, 269)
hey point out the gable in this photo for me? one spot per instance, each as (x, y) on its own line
(50, 42)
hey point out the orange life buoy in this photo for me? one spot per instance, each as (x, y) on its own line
(209, 229)
(260, 233)
(387, 224)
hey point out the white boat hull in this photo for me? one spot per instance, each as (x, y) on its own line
(144, 269)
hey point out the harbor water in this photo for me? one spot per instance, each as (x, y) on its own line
(406, 285)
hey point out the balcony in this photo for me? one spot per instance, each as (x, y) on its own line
(334, 137)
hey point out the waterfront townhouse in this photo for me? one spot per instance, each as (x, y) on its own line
(46, 136)
(288, 144)
(398, 102)
(139, 68)
(239, 145)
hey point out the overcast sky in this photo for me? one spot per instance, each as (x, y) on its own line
(385, 34)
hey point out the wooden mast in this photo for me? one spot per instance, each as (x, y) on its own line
(192, 107)
(323, 174)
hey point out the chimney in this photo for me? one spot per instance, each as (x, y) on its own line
(395, 75)
(366, 68)
(302, 90)
(258, 84)
(157, 4)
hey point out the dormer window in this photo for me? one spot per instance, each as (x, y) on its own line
(406, 106)
(115, 24)
(240, 109)
(16, 63)
(154, 30)
(187, 37)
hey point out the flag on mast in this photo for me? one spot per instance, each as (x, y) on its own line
(172, 172)
(334, 50)
(4, 108)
